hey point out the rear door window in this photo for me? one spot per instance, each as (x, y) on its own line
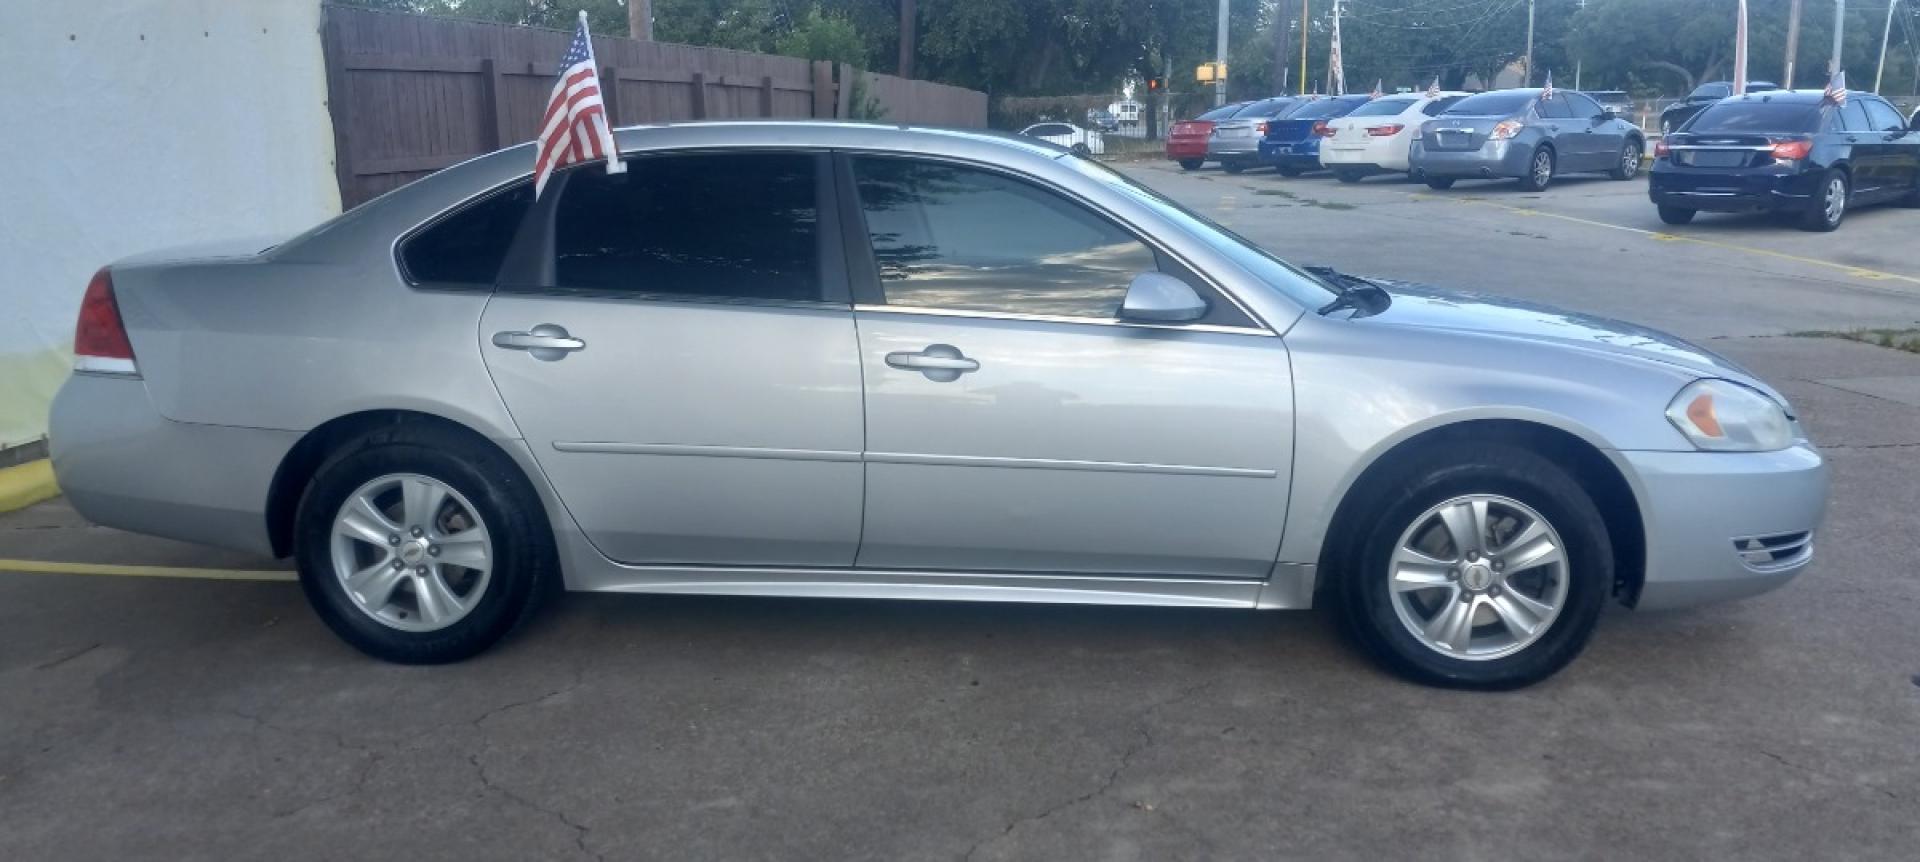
(1854, 114)
(1554, 108)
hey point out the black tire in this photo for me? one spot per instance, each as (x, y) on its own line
(1233, 166)
(1439, 183)
(1191, 164)
(1534, 180)
(1676, 215)
(1449, 470)
(525, 567)
(1080, 149)
(1629, 165)
(1349, 176)
(1289, 171)
(1821, 216)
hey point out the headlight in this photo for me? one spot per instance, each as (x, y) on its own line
(1723, 416)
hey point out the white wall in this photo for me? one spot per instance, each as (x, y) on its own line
(128, 125)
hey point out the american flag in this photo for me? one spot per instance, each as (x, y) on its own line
(1836, 93)
(1377, 91)
(1547, 91)
(1433, 89)
(575, 126)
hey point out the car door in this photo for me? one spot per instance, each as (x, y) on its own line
(1014, 424)
(1602, 139)
(1898, 151)
(679, 353)
(1868, 154)
(1557, 125)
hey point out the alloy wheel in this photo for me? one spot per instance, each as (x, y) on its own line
(1478, 577)
(411, 552)
(1836, 204)
(1629, 160)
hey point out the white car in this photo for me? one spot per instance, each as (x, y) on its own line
(1082, 141)
(1377, 136)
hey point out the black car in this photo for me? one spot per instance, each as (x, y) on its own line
(1615, 102)
(1678, 113)
(1787, 151)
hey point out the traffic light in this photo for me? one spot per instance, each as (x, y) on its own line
(1155, 85)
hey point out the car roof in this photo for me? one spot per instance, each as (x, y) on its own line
(1794, 97)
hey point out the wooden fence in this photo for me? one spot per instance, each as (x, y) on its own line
(411, 94)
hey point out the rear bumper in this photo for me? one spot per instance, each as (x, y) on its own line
(1243, 149)
(1725, 525)
(1379, 156)
(123, 465)
(1293, 154)
(1731, 190)
(1493, 159)
(1182, 150)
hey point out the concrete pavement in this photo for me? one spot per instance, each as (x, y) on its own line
(151, 717)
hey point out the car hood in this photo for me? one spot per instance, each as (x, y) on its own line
(1427, 307)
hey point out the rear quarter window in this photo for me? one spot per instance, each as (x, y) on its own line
(466, 246)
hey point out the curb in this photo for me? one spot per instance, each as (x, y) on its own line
(23, 485)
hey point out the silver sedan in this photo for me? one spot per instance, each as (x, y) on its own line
(1531, 135)
(837, 360)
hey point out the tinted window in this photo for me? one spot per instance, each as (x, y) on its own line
(1435, 107)
(958, 238)
(1883, 117)
(1046, 129)
(467, 246)
(1262, 109)
(1323, 109)
(1497, 104)
(1383, 108)
(1711, 91)
(1220, 113)
(1555, 108)
(1582, 107)
(1745, 117)
(724, 225)
(1854, 114)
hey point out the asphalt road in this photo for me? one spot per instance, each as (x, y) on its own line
(154, 717)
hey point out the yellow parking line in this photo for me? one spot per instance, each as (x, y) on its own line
(1663, 236)
(49, 567)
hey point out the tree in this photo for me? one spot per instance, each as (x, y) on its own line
(1663, 47)
(824, 36)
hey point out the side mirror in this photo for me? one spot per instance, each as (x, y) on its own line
(1160, 298)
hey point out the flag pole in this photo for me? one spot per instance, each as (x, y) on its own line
(1740, 51)
(1886, 33)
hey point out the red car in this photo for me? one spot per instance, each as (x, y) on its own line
(1187, 140)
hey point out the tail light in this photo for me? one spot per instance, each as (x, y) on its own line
(1506, 129)
(1386, 131)
(100, 339)
(1792, 150)
(1260, 128)
(1661, 150)
(1320, 129)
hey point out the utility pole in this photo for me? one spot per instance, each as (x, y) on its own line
(1793, 43)
(907, 20)
(1282, 26)
(1306, 7)
(1220, 59)
(1839, 28)
(640, 19)
(1528, 82)
(1885, 34)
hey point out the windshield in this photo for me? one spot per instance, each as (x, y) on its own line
(1302, 288)
(1492, 104)
(1711, 91)
(1321, 110)
(1749, 117)
(1383, 108)
(1220, 113)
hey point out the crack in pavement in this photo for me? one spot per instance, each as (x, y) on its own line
(49, 665)
(1819, 774)
(580, 830)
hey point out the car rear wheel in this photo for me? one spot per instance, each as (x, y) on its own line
(1080, 149)
(1191, 164)
(1676, 215)
(1829, 206)
(1348, 175)
(1289, 171)
(1440, 183)
(1233, 167)
(1629, 166)
(420, 546)
(1539, 171)
(1488, 571)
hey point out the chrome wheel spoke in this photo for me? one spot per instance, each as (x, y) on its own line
(1533, 547)
(438, 605)
(1413, 570)
(421, 501)
(1452, 627)
(1466, 523)
(1521, 614)
(468, 549)
(374, 584)
(364, 521)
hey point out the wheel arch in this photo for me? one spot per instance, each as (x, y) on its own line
(1612, 494)
(298, 466)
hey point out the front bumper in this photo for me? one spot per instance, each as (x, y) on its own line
(1493, 159)
(1725, 525)
(1732, 189)
(123, 465)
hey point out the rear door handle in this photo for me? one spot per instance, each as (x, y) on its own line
(548, 342)
(942, 363)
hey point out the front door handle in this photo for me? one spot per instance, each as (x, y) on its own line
(547, 342)
(942, 363)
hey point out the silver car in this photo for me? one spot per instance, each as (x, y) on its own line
(1235, 142)
(1530, 134)
(838, 360)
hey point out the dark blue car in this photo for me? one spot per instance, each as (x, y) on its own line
(1787, 151)
(1292, 142)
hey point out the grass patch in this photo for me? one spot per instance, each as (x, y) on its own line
(1895, 339)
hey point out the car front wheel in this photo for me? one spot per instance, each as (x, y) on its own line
(1488, 571)
(420, 546)
(1829, 205)
(1676, 215)
(1439, 183)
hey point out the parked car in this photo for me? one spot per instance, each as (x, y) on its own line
(1236, 140)
(1007, 376)
(1678, 113)
(1083, 141)
(1789, 152)
(1187, 140)
(1377, 136)
(1615, 102)
(1292, 142)
(1102, 120)
(1528, 134)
